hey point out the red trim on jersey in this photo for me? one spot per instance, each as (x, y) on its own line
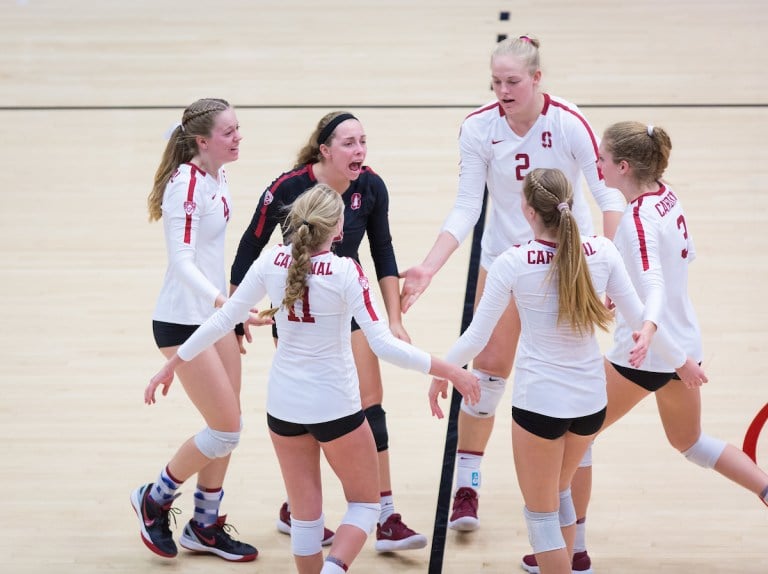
(197, 167)
(368, 169)
(549, 101)
(640, 233)
(662, 190)
(366, 293)
(638, 201)
(190, 197)
(263, 213)
(486, 108)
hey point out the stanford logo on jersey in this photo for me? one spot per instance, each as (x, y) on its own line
(189, 207)
(364, 283)
(356, 201)
(268, 197)
(546, 139)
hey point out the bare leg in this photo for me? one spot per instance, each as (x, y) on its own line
(680, 411)
(299, 459)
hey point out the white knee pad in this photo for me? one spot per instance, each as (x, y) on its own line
(216, 444)
(491, 391)
(706, 451)
(567, 512)
(543, 531)
(364, 515)
(307, 536)
(586, 460)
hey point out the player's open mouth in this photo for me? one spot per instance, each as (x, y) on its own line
(355, 166)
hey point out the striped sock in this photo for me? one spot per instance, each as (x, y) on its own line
(207, 502)
(165, 487)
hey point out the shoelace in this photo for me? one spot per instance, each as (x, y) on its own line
(172, 512)
(227, 527)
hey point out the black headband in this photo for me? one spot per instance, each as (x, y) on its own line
(327, 130)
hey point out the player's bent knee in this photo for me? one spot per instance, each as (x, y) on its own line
(567, 512)
(364, 515)
(491, 392)
(216, 444)
(377, 420)
(544, 531)
(706, 451)
(307, 536)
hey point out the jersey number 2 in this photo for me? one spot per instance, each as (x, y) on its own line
(524, 162)
(306, 316)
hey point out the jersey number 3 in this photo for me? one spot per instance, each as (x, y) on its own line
(681, 225)
(306, 316)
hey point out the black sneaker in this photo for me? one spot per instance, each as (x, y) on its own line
(153, 521)
(216, 540)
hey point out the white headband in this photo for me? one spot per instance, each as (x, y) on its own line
(649, 129)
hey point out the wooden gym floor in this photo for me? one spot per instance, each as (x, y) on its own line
(87, 90)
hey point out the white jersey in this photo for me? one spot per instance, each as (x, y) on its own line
(313, 377)
(656, 245)
(493, 155)
(196, 209)
(558, 371)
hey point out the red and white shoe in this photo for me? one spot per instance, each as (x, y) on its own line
(581, 563)
(464, 515)
(394, 535)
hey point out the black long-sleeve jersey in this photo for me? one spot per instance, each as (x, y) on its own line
(366, 210)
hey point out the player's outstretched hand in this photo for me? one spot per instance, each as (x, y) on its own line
(417, 279)
(692, 374)
(642, 341)
(164, 378)
(439, 387)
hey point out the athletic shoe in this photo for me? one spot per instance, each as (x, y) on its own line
(153, 521)
(581, 563)
(464, 515)
(284, 525)
(394, 535)
(216, 540)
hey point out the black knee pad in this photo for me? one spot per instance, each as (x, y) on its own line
(377, 419)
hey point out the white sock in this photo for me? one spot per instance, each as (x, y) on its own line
(580, 542)
(333, 566)
(387, 506)
(468, 469)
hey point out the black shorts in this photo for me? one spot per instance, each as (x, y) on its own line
(323, 432)
(552, 428)
(648, 380)
(171, 334)
(355, 327)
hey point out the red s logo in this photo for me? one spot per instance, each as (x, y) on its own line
(546, 139)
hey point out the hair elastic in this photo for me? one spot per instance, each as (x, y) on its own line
(649, 129)
(308, 224)
(169, 132)
(562, 206)
(525, 38)
(328, 128)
